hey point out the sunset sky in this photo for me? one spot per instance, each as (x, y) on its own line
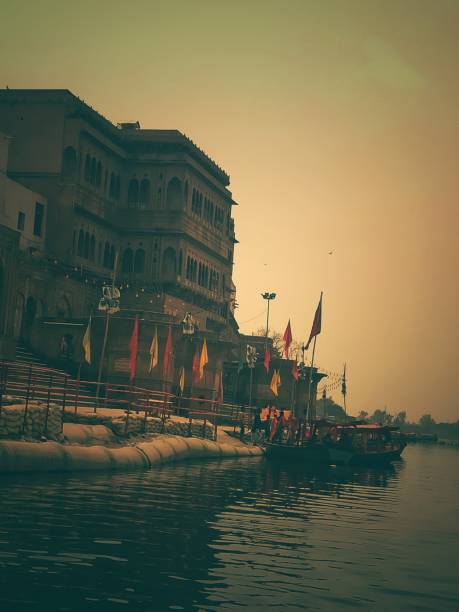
(338, 124)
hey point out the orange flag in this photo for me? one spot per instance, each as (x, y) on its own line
(287, 339)
(167, 352)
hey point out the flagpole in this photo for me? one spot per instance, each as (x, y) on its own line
(310, 380)
(104, 343)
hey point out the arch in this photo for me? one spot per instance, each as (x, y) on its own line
(117, 188)
(92, 248)
(180, 263)
(63, 310)
(69, 162)
(86, 246)
(112, 256)
(99, 174)
(18, 315)
(99, 252)
(127, 263)
(185, 193)
(133, 192)
(169, 264)
(80, 247)
(144, 192)
(139, 261)
(106, 255)
(87, 168)
(174, 198)
(112, 188)
(93, 171)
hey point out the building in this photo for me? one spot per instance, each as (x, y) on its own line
(145, 205)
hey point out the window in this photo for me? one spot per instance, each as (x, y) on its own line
(139, 261)
(21, 221)
(38, 221)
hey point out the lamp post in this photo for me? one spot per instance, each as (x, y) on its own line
(267, 296)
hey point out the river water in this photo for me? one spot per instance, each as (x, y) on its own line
(230, 534)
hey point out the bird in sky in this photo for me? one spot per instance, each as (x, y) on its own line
(330, 252)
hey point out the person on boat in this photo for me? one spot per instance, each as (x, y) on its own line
(279, 430)
(267, 427)
(257, 426)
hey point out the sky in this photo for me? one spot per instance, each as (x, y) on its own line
(338, 124)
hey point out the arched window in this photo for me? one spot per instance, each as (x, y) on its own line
(188, 267)
(106, 255)
(117, 188)
(69, 162)
(139, 261)
(86, 246)
(99, 252)
(174, 197)
(144, 193)
(63, 310)
(93, 171)
(80, 247)
(112, 188)
(169, 267)
(185, 193)
(128, 257)
(180, 263)
(87, 168)
(92, 248)
(133, 192)
(112, 257)
(99, 174)
(200, 273)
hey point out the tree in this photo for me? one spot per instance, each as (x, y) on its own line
(362, 415)
(328, 408)
(400, 418)
(426, 421)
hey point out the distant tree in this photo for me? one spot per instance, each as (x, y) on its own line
(329, 409)
(426, 421)
(362, 415)
(400, 419)
(278, 343)
(378, 416)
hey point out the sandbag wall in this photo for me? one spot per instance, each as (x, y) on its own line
(34, 421)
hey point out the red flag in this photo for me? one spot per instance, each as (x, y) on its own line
(287, 339)
(316, 324)
(195, 367)
(295, 372)
(133, 347)
(167, 352)
(267, 359)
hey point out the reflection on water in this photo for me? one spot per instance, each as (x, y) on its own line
(221, 535)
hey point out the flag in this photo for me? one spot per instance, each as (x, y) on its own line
(203, 360)
(133, 347)
(154, 351)
(87, 343)
(267, 359)
(295, 372)
(343, 382)
(274, 382)
(181, 379)
(195, 367)
(167, 352)
(278, 378)
(287, 339)
(316, 324)
(219, 387)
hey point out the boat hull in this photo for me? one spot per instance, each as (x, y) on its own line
(304, 453)
(344, 457)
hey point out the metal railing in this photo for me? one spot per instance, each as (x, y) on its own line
(53, 388)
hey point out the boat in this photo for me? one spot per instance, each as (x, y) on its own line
(364, 444)
(342, 444)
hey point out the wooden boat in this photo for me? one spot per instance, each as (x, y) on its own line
(364, 444)
(308, 452)
(346, 444)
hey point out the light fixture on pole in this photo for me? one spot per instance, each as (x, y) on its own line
(268, 296)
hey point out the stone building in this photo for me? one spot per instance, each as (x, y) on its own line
(145, 205)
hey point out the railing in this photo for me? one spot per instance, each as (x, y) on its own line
(56, 388)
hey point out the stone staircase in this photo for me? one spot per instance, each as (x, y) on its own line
(30, 375)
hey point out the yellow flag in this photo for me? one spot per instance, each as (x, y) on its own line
(154, 351)
(203, 359)
(274, 382)
(87, 343)
(182, 379)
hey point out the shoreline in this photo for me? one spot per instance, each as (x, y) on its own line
(27, 457)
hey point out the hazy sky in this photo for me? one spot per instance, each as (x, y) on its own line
(338, 123)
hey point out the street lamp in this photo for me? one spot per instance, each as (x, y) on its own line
(268, 296)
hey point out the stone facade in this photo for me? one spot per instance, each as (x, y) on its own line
(145, 205)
